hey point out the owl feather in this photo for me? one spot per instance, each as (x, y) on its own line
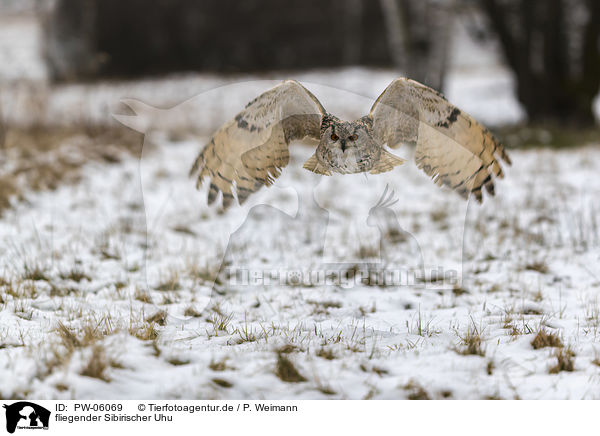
(251, 150)
(451, 146)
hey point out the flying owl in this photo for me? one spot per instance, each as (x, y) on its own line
(251, 150)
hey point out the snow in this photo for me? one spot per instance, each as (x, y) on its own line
(134, 226)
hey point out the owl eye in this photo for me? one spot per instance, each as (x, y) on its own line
(353, 137)
(334, 137)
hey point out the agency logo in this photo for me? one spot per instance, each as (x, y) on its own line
(26, 415)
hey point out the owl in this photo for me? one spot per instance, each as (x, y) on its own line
(250, 151)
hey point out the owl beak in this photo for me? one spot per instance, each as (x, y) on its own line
(343, 144)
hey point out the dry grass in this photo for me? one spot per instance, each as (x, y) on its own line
(8, 191)
(286, 371)
(142, 296)
(97, 364)
(245, 333)
(459, 290)
(395, 235)
(218, 366)
(222, 383)
(159, 318)
(288, 348)
(220, 321)
(416, 391)
(146, 332)
(75, 274)
(193, 312)
(326, 353)
(367, 252)
(546, 339)
(322, 307)
(43, 158)
(207, 274)
(90, 334)
(326, 390)
(35, 272)
(375, 369)
(422, 326)
(565, 361)
(439, 215)
(19, 290)
(471, 343)
(170, 283)
(539, 266)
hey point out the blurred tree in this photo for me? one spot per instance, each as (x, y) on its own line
(553, 47)
(418, 36)
(100, 38)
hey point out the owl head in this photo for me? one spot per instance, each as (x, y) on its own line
(347, 146)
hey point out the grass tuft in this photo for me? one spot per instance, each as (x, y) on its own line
(159, 318)
(539, 266)
(565, 361)
(75, 274)
(416, 391)
(97, 364)
(472, 343)
(147, 332)
(193, 312)
(326, 353)
(171, 283)
(546, 339)
(286, 371)
(288, 348)
(375, 369)
(142, 296)
(222, 382)
(218, 366)
(35, 272)
(178, 362)
(220, 321)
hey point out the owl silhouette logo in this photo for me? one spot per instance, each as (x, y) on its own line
(26, 415)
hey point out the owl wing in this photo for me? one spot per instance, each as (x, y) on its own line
(451, 147)
(250, 150)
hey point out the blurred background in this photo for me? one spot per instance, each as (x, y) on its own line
(106, 246)
(529, 69)
(550, 47)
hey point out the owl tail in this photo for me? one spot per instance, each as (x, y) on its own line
(312, 164)
(387, 161)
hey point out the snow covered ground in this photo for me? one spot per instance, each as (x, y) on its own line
(126, 285)
(108, 286)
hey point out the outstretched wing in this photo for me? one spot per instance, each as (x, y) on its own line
(250, 150)
(451, 147)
